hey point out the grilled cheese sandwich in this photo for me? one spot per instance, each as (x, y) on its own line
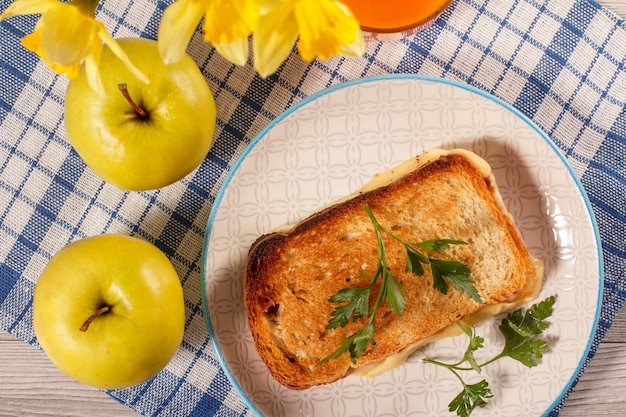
(290, 275)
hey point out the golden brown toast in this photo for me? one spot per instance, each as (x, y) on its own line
(289, 277)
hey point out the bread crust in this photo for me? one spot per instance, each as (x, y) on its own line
(290, 276)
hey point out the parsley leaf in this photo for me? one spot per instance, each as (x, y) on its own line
(394, 293)
(520, 331)
(358, 305)
(475, 343)
(470, 397)
(455, 273)
(437, 245)
(444, 272)
(414, 261)
(533, 322)
(355, 344)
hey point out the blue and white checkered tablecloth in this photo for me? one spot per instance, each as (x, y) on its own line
(560, 62)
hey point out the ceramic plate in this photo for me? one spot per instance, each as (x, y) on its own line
(334, 142)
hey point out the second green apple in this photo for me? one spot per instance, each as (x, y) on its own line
(135, 151)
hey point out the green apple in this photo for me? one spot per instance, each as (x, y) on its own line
(109, 310)
(123, 146)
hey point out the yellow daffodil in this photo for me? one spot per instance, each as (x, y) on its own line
(227, 25)
(68, 33)
(325, 27)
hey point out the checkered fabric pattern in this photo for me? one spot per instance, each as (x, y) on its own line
(560, 62)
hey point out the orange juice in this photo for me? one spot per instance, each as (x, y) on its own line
(380, 16)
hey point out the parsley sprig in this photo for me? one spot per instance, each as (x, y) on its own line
(355, 302)
(521, 333)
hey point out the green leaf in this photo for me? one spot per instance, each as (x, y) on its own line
(357, 307)
(360, 340)
(475, 343)
(528, 352)
(520, 331)
(394, 291)
(414, 262)
(356, 344)
(472, 396)
(437, 245)
(456, 274)
(532, 323)
(439, 282)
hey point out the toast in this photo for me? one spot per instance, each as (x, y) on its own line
(290, 276)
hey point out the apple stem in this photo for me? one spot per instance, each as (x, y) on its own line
(141, 112)
(91, 318)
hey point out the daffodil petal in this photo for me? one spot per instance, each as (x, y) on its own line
(71, 71)
(274, 38)
(355, 49)
(67, 34)
(235, 52)
(178, 24)
(268, 5)
(119, 52)
(342, 6)
(324, 28)
(24, 7)
(91, 69)
(228, 21)
(32, 42)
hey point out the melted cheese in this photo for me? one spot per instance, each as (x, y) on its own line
(389, 176)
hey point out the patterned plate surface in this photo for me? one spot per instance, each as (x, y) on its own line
(330, 145)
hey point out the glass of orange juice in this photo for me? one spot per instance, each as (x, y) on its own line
(394, 19)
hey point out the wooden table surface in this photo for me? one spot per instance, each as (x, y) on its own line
(31, 386)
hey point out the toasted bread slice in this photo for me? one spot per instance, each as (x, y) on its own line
(289, 277)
